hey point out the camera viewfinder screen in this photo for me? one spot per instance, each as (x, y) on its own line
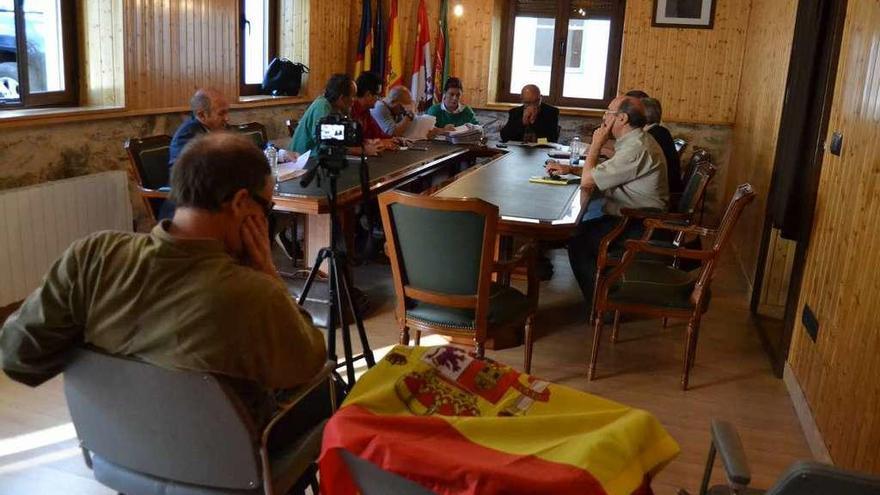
(333, 131)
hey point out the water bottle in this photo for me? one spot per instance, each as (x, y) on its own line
(575, 148)
(272, 158)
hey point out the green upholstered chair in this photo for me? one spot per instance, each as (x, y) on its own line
(647, 287)
(802, 478)
(148, 166)
(442, 259)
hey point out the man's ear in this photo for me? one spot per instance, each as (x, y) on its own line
(238, 205)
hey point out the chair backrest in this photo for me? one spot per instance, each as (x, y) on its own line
(695, 188)
(743, 195)
(700, 155)
(813, 478)
(254, 130)
(441, 249)
(291, 126)
(175, 425)
(149, 160)
(680, 145)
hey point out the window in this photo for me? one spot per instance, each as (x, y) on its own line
(37, 53)
(569, 48)
(259, 42)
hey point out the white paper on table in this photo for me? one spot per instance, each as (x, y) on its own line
(292, 170)
(465, 129)
(420, 126)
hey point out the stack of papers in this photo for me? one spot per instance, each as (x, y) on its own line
(292, 170)
(465, 134)
(418, 128)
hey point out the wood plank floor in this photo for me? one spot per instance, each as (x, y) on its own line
(731, 380)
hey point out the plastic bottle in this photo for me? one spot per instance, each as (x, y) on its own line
(575, 148)
(272, 157)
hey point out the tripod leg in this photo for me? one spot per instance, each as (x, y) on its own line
(322, 254)
(339, 293)
(358, 321)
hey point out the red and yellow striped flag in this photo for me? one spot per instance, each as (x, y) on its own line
(394, 53)
(460, 425)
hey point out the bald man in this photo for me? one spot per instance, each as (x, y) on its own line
(210, 112)
(533, 118)
(635, 177)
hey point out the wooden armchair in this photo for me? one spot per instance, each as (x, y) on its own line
(685, 214)
(442, 261)
(254, 130)
(148, 166)
(650, 288)
(700, 155)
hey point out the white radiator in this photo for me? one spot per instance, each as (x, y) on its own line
(38, 223)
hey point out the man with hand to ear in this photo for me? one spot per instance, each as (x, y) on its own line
(198, 293)
(635, 177)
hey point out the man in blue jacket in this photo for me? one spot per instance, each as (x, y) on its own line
(210, 112)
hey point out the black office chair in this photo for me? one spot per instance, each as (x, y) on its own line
(254, 130)
(147, 430)
(148, 166)
(802, 478)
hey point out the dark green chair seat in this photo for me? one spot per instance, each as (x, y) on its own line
(506, 305)
(655, 284)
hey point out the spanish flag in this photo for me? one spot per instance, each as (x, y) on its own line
(460, 425)
(365, 41)
(394, 53)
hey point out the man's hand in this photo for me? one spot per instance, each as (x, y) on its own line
(372, 147)
(390, 144)
(600, 137)
(255, 236)
(555, 168)
(529, 115)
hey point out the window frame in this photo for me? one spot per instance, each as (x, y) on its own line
(273, 22)
(553, 94)
(70, 47)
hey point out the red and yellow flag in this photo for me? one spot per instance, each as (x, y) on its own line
(460, 425)
(394, 53)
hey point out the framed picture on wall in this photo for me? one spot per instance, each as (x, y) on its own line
(699, 14)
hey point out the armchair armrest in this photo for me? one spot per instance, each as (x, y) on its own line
(651, 224)
(319, 379)
(646, 213)
(725, 441)
(153, 193)
(642, 246)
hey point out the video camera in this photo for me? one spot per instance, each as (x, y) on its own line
(334, 134)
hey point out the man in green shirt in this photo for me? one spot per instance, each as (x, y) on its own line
(338, 97)
(450, 112)
(199, 293)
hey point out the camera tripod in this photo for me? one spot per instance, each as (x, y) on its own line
(339, 281)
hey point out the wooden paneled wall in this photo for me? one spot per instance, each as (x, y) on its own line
(694, 72)
(758, 113)
(102, 49)
(172, 48)
(839, 372)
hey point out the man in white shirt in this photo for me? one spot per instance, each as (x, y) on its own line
(635, 177)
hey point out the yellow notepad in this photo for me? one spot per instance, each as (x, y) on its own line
(559, 181)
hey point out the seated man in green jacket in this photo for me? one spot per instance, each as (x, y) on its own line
(338, 97)
(450, 112)
(200, 292)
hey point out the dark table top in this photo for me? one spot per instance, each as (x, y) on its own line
(380, 168)
(504, 182)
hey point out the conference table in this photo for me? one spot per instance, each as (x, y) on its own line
(389, 171)
(530, 210)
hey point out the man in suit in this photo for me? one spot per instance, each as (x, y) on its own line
(653, 115)
(210, 112)
(532, 118)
